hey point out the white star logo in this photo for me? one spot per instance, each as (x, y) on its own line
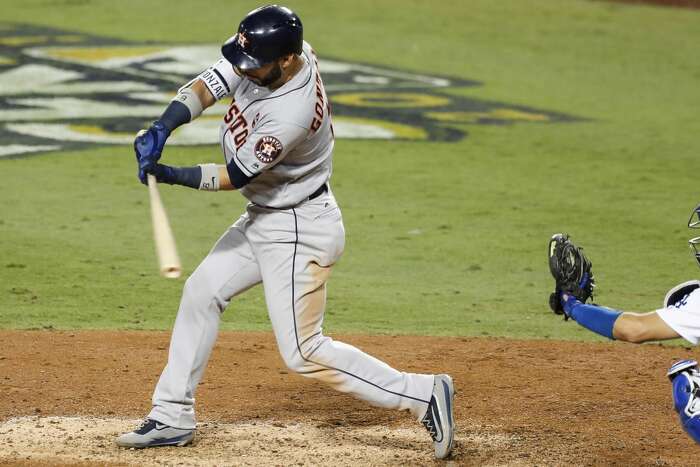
(268, 149)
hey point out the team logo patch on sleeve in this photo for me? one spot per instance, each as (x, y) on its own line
(267, 149)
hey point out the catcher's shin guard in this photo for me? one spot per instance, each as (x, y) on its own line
(685, 379)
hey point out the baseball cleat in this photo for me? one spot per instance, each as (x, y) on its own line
(439, 419)
(152, 433)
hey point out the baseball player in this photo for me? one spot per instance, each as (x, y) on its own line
(679, 317)
(277, 141)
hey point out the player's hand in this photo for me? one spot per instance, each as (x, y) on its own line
(148, 146)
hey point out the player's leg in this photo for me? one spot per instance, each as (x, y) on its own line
(295, 270)
(229, 269)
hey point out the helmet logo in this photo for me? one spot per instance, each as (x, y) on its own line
(242, 40)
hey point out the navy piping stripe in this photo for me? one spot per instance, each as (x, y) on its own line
(310, 337)
(222, 79)
(296, 333)
(308, 355)
(311, 372)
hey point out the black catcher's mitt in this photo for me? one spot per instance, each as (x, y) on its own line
(571, 271)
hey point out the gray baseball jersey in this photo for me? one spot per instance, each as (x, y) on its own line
(282, 138)
(287, 240)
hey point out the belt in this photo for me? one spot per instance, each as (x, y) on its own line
(321, 190)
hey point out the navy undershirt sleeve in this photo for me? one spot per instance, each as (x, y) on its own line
(185, 176)
(236, 175)
(175, 114)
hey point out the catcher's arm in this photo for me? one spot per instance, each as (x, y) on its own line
(642, 327)
(571, 270)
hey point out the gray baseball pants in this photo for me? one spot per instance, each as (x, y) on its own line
(291, 252)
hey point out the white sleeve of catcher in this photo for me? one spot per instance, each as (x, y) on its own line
(683, 316)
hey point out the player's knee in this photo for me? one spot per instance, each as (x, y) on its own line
(198, 295)
(305, 358)
(296, 362)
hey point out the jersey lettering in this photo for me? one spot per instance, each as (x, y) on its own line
(214, 84)
(682, 302)
(240, 138)
(320, 101)
(238, 126)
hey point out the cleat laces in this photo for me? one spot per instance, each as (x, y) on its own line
(143, 425)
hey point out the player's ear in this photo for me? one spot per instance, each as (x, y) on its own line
(286, 61)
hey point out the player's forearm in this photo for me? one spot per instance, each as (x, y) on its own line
(642, 327)
(598, 319)
(206, 177)
(187, 105)
(614, 324)
(205, 96)
(224, 180)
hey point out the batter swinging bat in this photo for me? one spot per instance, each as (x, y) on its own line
(168, 260)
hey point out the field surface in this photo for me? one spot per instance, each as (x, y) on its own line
(518, 403)
(468, 132)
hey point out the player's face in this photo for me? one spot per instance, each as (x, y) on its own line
(265, 75)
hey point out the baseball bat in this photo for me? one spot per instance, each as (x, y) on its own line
(168, 261)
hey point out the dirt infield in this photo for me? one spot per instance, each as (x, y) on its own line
(67, 394)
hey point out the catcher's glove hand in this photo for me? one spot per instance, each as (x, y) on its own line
(571, 271)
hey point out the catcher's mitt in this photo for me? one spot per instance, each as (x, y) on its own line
(571, 271)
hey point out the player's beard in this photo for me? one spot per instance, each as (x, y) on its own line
(271, 77)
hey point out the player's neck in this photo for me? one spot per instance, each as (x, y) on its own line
(288, 73)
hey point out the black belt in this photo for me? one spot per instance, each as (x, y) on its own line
(321, 190)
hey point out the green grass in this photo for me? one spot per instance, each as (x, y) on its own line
(442, 238)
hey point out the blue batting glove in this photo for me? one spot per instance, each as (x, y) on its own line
(148, 146)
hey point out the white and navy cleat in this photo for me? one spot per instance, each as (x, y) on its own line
(152, 433)
(439, 419)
